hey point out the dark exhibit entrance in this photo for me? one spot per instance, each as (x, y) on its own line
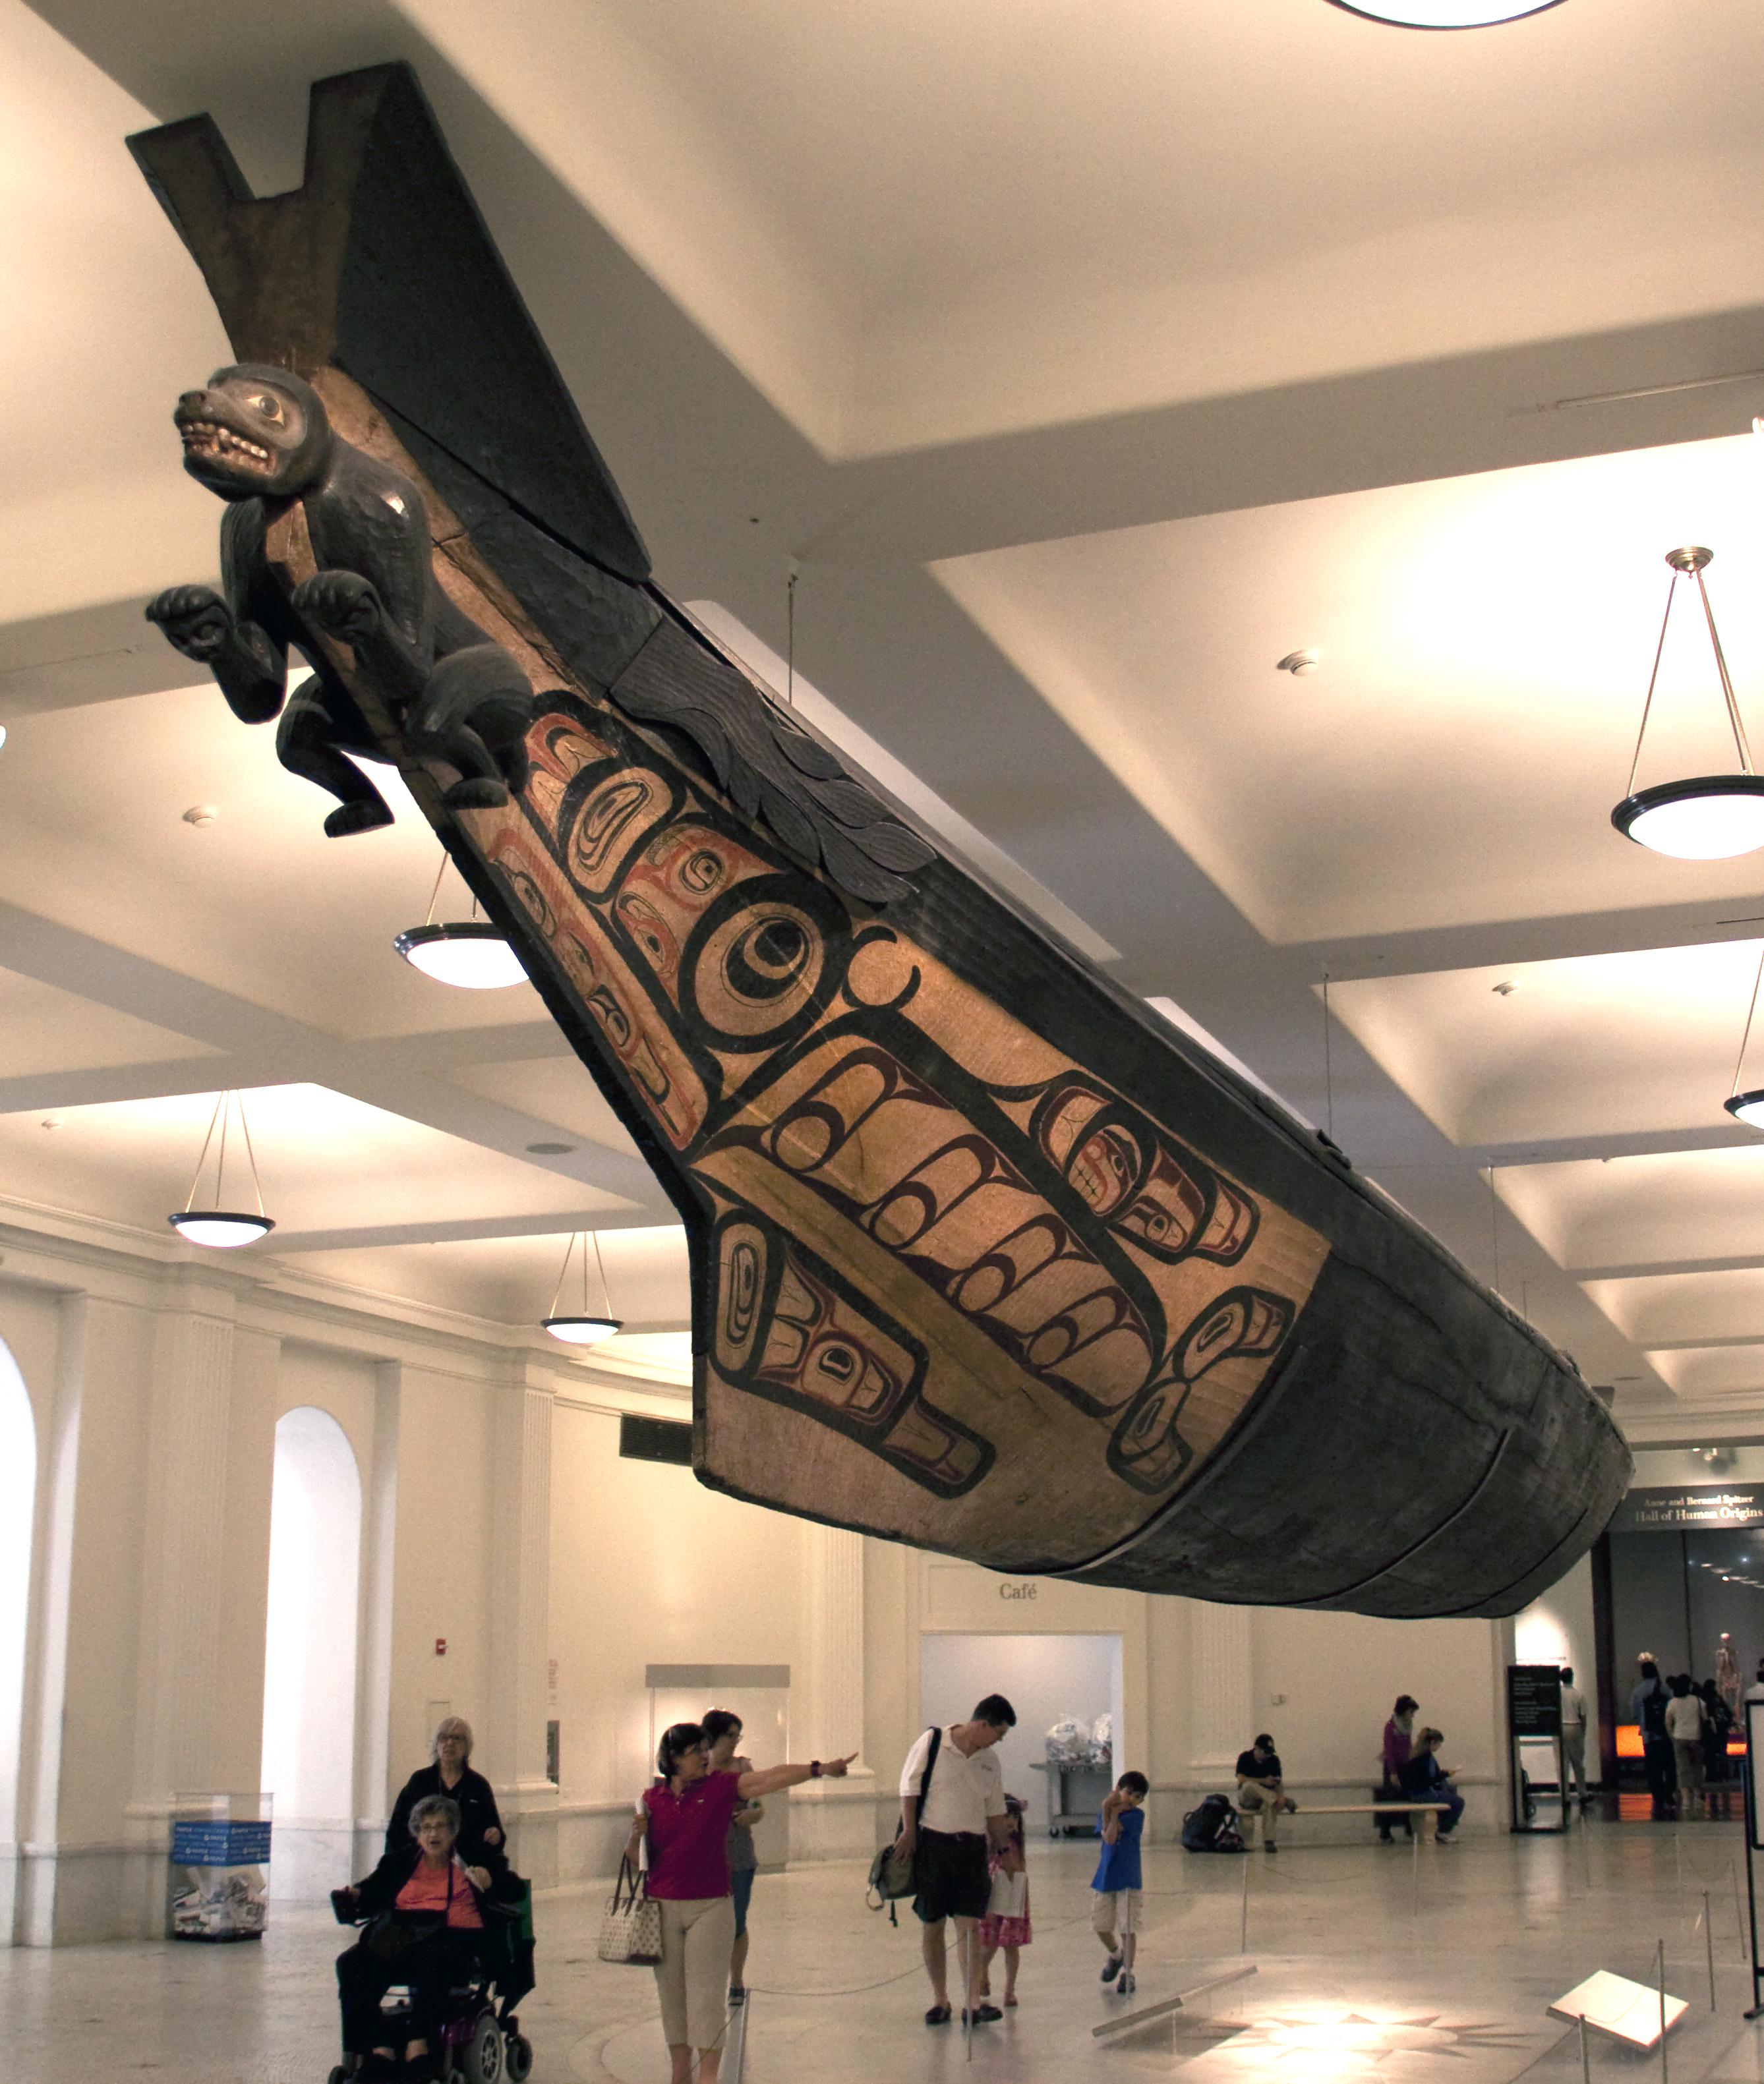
(1673, 1593)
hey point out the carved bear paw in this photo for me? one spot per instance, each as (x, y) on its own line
(195, 619)
(351, 817)
(342, 605)
(476, 792)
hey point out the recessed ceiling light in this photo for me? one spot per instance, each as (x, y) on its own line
(1444, 14)
(200, 814)
(1298, 664)
(1506, 988)
(50, 1121)
(550, 1150)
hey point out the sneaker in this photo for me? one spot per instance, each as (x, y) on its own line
(737, 1995)
(1443, 1838)
(1126, 1986)
(984, 2015)
(1111, 1968)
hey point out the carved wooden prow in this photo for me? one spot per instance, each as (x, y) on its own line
(986, 1256)
(380, 265)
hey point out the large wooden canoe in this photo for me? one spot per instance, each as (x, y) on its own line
(986, 1257)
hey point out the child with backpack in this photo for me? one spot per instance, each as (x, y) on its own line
(1116, 1884)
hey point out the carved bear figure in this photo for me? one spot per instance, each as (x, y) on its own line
(259, 438)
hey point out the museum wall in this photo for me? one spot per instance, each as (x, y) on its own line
(511, 1567)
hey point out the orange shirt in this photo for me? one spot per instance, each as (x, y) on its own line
(443, 1888)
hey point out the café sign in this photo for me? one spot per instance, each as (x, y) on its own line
(1667, 1508)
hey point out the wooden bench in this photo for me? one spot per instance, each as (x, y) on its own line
(1355, 1809)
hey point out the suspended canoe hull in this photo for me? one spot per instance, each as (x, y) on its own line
(986, 1256)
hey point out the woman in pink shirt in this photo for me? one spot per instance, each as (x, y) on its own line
(684, 1818)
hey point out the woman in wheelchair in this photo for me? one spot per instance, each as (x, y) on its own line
(426, 1915)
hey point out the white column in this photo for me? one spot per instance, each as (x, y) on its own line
(520, 1613)
(183, 1561)
(832, 1819)
(1223, 1688)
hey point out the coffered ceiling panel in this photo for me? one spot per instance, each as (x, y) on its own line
(1685, 1209)
(1685, 1309)
(43, 1028)
(1484, 645)
(258, 902)
(556, 1089)
(512, 1279)
(1713, 1370)
(328, 1163)
(1590, 1045)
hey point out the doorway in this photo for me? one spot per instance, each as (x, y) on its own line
(309, 1655)
(1047, 1680)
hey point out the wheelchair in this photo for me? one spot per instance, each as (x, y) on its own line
(480, 2043)
(478, 2046)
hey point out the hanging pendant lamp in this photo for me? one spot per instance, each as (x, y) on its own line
(470, 953)
(222, 1229)
(1748, 1107)
(1445, 13)
(1709, 817)
(582, 1328)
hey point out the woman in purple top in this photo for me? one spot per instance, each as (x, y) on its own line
(685, 1818)
(1399, 1742)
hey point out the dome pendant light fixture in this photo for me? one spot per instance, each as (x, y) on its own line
(470, 953)
(1709, 817)
(222, 1229)
(581, 1328)
(1748, 1107)
(1445, 13)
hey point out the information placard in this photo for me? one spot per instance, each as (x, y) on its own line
(1534, 1700)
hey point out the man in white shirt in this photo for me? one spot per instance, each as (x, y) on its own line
(1573, 1737)
(952, 1813)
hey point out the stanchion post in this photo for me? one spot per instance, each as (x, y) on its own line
(1660, 1956)
(1243, 1922)
(1586, 2060)
(1417, 1824)
(1708, 1941)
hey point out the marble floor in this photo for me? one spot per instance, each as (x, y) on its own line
(1360, 1973)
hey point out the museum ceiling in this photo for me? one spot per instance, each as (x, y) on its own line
(1086, 359)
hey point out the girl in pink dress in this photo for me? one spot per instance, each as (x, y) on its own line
(1007, 1924)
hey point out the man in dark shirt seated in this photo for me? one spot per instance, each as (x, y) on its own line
(1259, 1787)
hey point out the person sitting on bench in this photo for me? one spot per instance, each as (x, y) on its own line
(1259, 1787)
(1424, 1779)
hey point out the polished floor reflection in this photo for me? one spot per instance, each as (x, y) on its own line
(1359, 1975)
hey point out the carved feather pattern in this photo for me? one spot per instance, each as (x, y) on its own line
(771, 768)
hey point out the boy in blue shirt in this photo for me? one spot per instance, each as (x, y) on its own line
(1115, 1915)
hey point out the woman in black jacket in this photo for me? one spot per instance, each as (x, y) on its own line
(427, 1912)
(481, 1824)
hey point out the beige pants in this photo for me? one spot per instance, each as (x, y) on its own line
(1250, 1798)
(692, 1974)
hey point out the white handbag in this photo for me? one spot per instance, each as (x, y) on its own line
(631, 1930)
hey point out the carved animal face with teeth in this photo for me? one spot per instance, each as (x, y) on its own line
(254, 432)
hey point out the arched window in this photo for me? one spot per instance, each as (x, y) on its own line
(309, 1654)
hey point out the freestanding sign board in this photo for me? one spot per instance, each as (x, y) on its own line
(1534, 1719)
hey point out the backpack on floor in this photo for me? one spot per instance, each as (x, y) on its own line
(1212, 1827)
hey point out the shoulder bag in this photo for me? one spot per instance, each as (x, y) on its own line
(630, 1928)
(891, 1871)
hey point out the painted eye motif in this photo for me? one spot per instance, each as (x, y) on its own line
(269, 407)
